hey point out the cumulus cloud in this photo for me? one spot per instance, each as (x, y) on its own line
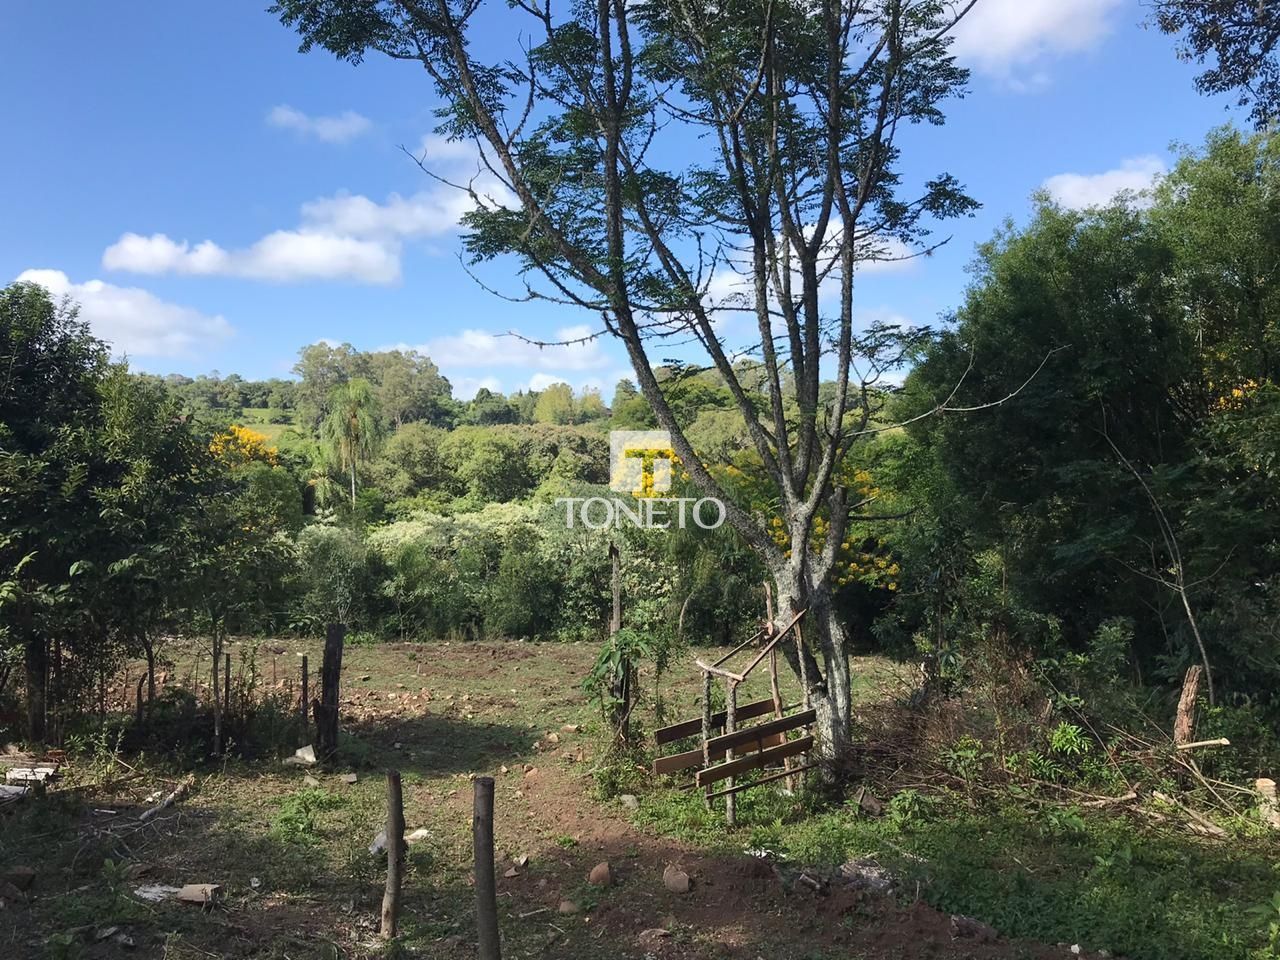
(133, 321)
(1079, 190)
(283, 256)
(333, 129)
(1006, 38)
(339, 237)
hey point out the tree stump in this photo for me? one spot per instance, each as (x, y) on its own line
(1184, 723)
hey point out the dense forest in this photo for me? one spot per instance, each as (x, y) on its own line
(1110, 523)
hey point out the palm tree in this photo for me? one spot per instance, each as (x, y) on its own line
(353, 428)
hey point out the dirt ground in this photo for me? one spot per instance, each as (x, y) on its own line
(442, 714)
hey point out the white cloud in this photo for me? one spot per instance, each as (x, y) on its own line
(1078, 190)
(1001, 37)
(340, 237)
(540, 381)
(134, 321)
(283, 256)
(335, 129)
(465, 388)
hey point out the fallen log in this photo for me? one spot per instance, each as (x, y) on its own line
(178, 793)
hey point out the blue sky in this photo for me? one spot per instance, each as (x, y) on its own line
(216, 200)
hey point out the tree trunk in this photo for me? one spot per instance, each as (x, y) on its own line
(353, 484)
(620, 687)
(149, 647)
(37, 664)
(217, 692)
(827, 685)
(1185, 721)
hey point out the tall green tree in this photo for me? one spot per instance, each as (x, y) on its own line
(780, 123)
(352, 429)
(50, 367)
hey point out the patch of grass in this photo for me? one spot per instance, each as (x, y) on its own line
(1044, 873)
(298, 819)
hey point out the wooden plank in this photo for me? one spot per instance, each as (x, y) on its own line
(752, 761)
(694, 758)
(727, 674)
(742, 646)
(755, 783)
(761, 731)
(772, 643)
(687, 728)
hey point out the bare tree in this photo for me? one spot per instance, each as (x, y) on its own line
(707, 174)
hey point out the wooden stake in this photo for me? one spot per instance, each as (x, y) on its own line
(395, 856)
(486, 883)
(706, 726)
(305, 696)
(226, 690)
(730, 725)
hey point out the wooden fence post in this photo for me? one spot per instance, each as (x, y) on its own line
(395, 855)
(305, 695)
(706, 729)
(326, 708)
(730, 726)
(486, 884)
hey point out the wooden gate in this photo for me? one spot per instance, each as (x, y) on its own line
(728, 749)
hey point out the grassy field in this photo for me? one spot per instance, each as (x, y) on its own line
(289, 845)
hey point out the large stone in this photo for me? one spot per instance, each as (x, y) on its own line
(20, 877)
(969, 928)
(675, 879)
(567, 907)
(601, 875)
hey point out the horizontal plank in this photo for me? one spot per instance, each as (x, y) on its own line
(693, 758)
(755, 783)
(761, 731)
(752, 761)
(687, 728)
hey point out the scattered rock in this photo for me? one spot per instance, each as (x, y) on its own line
(521, 860)
(968, 928)
(530, 770)
(503, 769)
(199, 893)
(310, 781)
(350, 778)
(255, 882)
(568, 907)
(629, 801)
(1075, 949)
(512, 873)
(124, 940)
(865, 874)
(868, 803)
(364, 678)
(303, 756)
(553, 738)
(570, 728)
(650, 938)
(601, 875)
(675, 879)
(20, 877)
(420, 834)
(379, 845)
(105, 932)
